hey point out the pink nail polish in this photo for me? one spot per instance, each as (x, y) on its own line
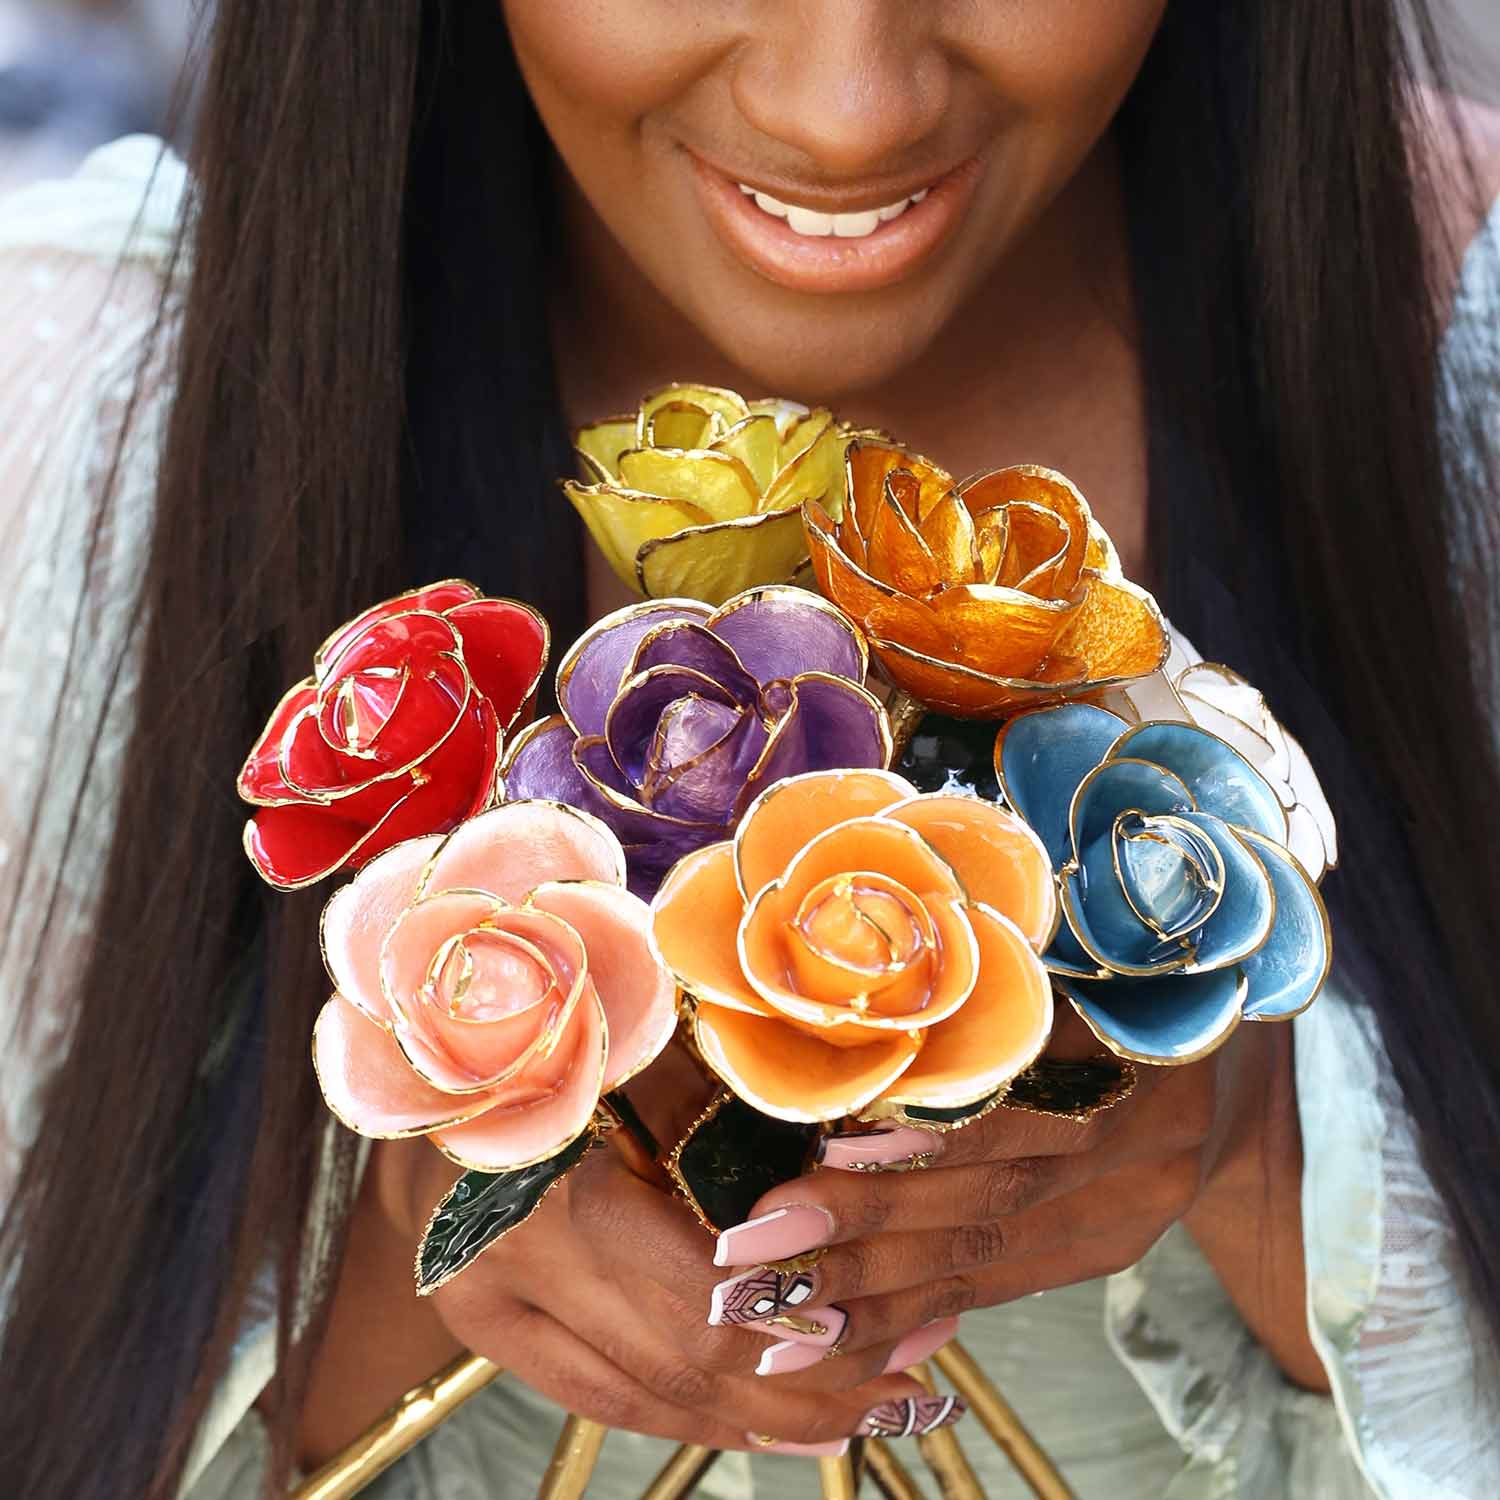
(895, 1150)
(817, 1327)
(761, 1293)
(778, 1235)
(804, 1450)
(921, 1343)
(787, 1358)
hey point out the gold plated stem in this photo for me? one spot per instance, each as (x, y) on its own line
(890, 1475)
(573, 1460)
(410, 1420)
(680, 1474)
(837, 1478)
(905, 713)
(941, 1453)
(1000, 1421)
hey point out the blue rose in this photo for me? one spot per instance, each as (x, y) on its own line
(1183, 911)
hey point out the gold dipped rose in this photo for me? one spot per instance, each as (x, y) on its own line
(698, 494)
(984, 597)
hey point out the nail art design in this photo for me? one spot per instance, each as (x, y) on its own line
(759, 1294)
(914, 1417)
(901, 1150)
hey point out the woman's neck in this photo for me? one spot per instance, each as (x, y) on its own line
(1040, 366)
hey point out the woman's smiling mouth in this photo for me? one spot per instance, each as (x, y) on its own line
(825, 247)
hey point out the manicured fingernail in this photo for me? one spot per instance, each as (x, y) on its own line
(787, 1358)
(819, 1327)
(778, 1235)
(757, 1294)
(804, 1450)
(920, 1343)
(900, 1150)
(914, 1417)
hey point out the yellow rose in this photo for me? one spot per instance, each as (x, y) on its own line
(699, 494)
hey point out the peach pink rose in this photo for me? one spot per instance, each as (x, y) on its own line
(491, 985)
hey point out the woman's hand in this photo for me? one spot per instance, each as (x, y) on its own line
(1019, 1203)
(598, 1301)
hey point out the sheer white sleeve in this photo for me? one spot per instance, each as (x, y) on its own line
(1410, 1367)
(81, 267)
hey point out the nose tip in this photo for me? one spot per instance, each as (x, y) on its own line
(850, 98)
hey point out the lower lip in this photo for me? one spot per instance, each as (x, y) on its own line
(810, 263)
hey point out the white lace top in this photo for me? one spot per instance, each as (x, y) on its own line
(1192, 1408)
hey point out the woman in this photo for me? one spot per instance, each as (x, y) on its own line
(1180, 252)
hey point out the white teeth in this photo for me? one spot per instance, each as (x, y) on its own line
(817, 225)
(808, 221)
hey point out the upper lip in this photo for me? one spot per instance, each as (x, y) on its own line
(834, 200)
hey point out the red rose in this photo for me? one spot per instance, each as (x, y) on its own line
(396, 734)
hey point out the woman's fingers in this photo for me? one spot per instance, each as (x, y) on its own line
(847, 1283)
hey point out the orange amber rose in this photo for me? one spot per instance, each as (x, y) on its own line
(999, 593)
(857, 942)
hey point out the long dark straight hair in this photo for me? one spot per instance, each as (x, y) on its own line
(365, 399)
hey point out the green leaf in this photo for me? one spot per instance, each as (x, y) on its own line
(483, 1206)
(1074, 1088)
(732, 1155)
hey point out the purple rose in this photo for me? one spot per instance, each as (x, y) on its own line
(676, 716)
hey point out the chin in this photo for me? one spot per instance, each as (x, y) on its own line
(823, 360)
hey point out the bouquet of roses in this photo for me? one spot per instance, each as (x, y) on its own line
(849, 844)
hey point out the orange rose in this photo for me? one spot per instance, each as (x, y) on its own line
(857, 942)
(999, 593)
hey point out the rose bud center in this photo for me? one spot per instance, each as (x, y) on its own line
(865, 941)
(363, 705)
(689, 728)
(488, 975)
(1170, 872)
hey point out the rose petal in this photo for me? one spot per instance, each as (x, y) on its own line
(260, 779)
(790, 1075)
(1042, 758)
(1287, 973)
(1000, 1029)
(686, 643)
(529, 1130)
(1241, 922)
(999, 631)
(590, 675)
(695, 919)
(766, 963)
(714, 563)
(513, 848)
(876, 844)
(630, 728)
(434, 598)
(369, 1086)
(634, 986)
(358, 916)
(297, 845)
(781, 633)
(1050, 491)
(621, 522)
(868, 464)
(830, 724)
(968, 694)
(505, 649)
(1174, 1018)
(702, 788)
(1001, 862)
(719, 484)
(1117, 630)
(1221, 780)
(792, 812)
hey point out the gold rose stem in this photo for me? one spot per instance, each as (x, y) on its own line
(889, 1473)
(905, 713)
(680, 1474)
(1000, 1421)
(837, 1477)
(941, 1453)
(573, 1460)
(421, 1409)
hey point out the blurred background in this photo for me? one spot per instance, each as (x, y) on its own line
(75, 73)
